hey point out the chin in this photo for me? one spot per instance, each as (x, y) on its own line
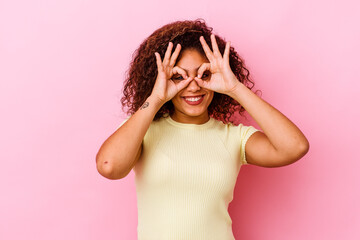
(193, 113)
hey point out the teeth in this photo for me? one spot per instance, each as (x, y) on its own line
(193, 99)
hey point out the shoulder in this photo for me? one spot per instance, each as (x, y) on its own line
(234, 128)
(238, 134)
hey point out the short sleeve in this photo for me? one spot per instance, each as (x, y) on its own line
(245, 133)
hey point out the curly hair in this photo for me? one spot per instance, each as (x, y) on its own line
(142, 73)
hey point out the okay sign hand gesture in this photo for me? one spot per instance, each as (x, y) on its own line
(222, 78)
(165, 88)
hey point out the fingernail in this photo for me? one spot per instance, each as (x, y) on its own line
(199, 76)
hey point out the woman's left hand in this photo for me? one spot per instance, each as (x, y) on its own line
(222, 79)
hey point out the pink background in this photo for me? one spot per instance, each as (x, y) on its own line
(62, 64)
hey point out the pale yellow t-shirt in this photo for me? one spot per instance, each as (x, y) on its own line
(185, 179)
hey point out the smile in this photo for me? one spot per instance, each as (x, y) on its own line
(194, 100)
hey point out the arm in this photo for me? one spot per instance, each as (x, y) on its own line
(281, 142)
(120, 152)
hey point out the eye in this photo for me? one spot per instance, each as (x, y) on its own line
(179, 77)
(205, 75)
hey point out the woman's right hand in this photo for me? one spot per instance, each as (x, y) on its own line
(165, 88)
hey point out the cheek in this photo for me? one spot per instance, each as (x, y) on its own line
(177, 96)
(211, 96)
(176, 100)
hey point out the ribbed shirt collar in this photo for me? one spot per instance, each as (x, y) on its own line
(192, 126)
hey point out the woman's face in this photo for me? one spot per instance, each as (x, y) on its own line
(191, 103)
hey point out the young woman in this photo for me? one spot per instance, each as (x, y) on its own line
(183, 86)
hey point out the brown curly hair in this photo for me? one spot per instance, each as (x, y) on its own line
(142, 73)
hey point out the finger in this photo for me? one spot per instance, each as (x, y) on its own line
(159, 62)
(227, 51)
(214, 45)
(202, 69)
(167, 54)
(181, 71)
(202, 83)
(181, 85)
(206, 48)
(175, 55)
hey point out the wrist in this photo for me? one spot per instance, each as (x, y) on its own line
(155, 101)
(233, 92)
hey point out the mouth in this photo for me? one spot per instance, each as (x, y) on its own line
(193, 100)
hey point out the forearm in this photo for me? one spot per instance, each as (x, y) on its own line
(284, 135)
(119, 151)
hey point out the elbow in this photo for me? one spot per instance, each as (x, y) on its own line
(106, 169)
(304, 148)
(293, 155)
(301, 150)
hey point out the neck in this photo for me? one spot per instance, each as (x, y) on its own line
(183, 118)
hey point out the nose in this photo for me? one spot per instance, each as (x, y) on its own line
(193, 86)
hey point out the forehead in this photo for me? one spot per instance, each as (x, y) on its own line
(190, 59)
